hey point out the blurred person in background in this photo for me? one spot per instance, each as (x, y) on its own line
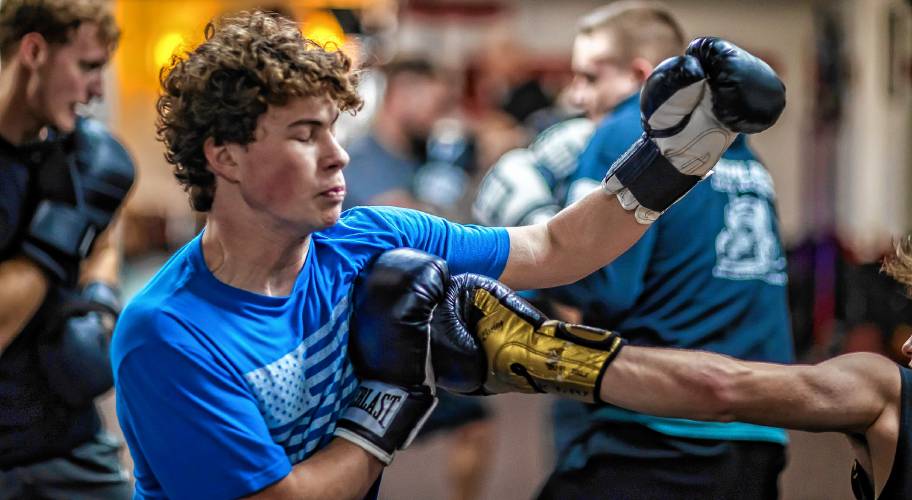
(731, 268)
(390, 166)
(62, 179)
(384, 162)
(371, 46)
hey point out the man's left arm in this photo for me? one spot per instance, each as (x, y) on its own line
(692, 108)
(103, 264)
(578, 240)
(24, 285)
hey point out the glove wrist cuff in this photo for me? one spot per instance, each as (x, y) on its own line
(353, 437)
(652, 181)
(383, 417)
(596, 394)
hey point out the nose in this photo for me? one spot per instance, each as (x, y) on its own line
(577, 93)
(96, 88)
(907, 347)
(336, 157)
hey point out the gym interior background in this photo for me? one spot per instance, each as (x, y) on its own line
(840, 157)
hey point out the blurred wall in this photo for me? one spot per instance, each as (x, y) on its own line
(872, 174)
(874, 162)
(780, 31)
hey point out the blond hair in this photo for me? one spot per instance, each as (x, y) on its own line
(55, 20)
(639, 29)
(899, 264)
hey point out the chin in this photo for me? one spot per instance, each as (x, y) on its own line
(65, 123)
(330, 219)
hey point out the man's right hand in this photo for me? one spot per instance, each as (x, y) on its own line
(389, 346)
(81, 191)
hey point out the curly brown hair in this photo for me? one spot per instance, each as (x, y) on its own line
(899, 265)
(248, 61)
(55, 20)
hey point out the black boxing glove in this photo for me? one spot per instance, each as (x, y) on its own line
(98, 172)
(693, 107)
(389, 345)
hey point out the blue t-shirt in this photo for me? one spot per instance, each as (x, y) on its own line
(220, 391)
(709, 274)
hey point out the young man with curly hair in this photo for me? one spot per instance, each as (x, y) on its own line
(231, 365)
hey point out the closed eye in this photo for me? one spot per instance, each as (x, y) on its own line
(89, 66)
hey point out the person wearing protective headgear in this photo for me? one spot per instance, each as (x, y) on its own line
(231, 366)
(716, 283)
(62, 180)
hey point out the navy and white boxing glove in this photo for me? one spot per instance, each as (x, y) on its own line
(82, 186)
(390, 348)
(527, 185)
(74, 356)
(693, 107)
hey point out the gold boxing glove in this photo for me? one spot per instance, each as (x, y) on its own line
(485, 339)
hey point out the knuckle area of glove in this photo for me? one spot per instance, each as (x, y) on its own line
(546, 364)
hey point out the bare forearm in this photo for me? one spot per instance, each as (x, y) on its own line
(579, 240)
(103, 264)
(341, 470)
(22, 290)
(832, 396)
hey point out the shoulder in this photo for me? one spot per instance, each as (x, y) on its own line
(623, 126)
(364, 231)
(357, 220)
(874, 372)
(740, 149)
(142, 325)
(152, 315)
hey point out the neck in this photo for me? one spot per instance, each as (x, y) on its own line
(250, 255)
(16, 126)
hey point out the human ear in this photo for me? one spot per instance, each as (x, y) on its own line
(221, 160)
(33, 50)
(641, 69)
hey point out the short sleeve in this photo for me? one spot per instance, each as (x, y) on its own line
(193, 428)
(467, 248)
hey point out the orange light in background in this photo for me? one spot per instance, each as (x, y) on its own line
(322, 27)
(153, 31)
(163, 48)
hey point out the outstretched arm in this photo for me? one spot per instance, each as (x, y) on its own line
(857, 394)
(691, 116)
(845, 394)
(580, 239)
